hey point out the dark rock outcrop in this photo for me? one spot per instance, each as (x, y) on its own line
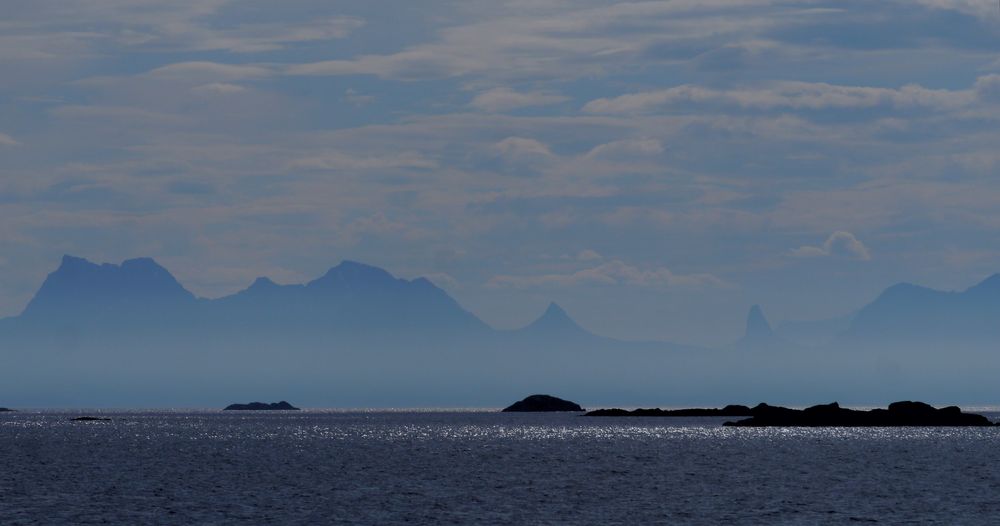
(260, 406)
(898, 414)
(729, 410)
(90, 419)
(542, 403)
(5, 410)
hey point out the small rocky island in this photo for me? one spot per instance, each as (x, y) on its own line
(540, 403)
(729, 410)
(899, 414)
(90, 419)
(260, 406)
(6, 410)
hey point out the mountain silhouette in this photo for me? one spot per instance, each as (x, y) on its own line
(357, 333)
(910, 313)
(89, 293)
(555, 323)
(758, 333)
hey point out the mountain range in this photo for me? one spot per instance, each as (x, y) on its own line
(99, 333)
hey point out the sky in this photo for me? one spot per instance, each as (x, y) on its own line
(654, 167)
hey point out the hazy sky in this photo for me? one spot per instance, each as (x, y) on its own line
(655, 167)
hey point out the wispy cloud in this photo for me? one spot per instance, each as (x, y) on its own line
(839, 244)
(614, 272)
(7, 140)
(505, 99)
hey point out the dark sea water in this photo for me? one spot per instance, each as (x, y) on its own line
(428, 467)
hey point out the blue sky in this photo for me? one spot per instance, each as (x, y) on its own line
(655, 167)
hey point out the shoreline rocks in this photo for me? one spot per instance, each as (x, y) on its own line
(540, 403)
(260, 406)
(729, 410)
(898, 414)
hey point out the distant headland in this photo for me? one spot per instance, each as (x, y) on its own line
(899, 414)
(261, 406)
(6, 410)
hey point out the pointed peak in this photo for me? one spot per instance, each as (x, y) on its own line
(757, 324)
(555, 310)
(263, 282)
(554, 320)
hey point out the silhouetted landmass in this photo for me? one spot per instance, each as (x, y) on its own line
(898, 414)
(260, 406)
(90, 419)
(542, 403)
(729, 410)
(5, 410)
(907, 312)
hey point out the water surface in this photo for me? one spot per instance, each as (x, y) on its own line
(429, 467)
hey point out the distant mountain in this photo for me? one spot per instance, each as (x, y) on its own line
(555, 323)
(758, 334)
(131, 330)
(911, 313)
(351, 297)
(83, 290)
(139, 294)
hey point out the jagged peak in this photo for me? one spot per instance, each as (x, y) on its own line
(263, 282)
(555, 318)
(554, 310)
(757, 324)
(71, 262)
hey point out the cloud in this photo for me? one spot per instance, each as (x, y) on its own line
(614, 272)
(7, 140)
(784, 95)
(627, 148)
(358, 99)
(589, 255)
(204, 71)
(987, 88)
(520, 148)
(504, 99)
(218, 88)
(839, 244)
(346, 161)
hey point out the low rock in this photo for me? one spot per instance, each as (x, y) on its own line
(260, 406)
(729, 410)
(90, 419)
(899, 414)
(542, 403)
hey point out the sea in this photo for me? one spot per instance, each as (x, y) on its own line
(483, 467)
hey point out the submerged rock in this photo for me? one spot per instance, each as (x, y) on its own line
(542, 403)
(729, 410)
(90, 419)
(260, 406)
(899, 414)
